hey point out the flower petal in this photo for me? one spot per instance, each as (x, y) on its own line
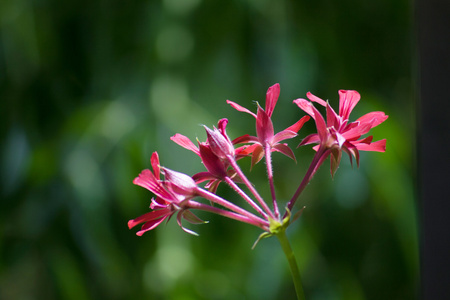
(298, 125)
(332, 118)
(257, 155)
(153, 215)
(320, 124)
(147, 180)
(203, 176)
(240, 108)
(150, 225)
(306, 106)
(310, 139)
(378, 146)
(264, 126)
(154, 161)
(244, 139)
(284, 148)
(347, 101)
(179, 183)
(185, 142)
(283, 135)
(316, 99)
(271, 98)
(212, 162)
(374, 118)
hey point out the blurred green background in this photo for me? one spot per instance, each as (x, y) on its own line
(89, 89)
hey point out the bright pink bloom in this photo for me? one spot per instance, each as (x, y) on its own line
(213, 154)
(172, 196)
(338, 133)
(264, 128)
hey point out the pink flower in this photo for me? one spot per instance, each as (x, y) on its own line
(264, 128)
(338, 133)
(172, 196)
(213, 154)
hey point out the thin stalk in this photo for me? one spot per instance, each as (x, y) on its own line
(218, 200)
(241, 193)
(268, 155)
(229, 214)
(250, 186)
(318, 159)
(282, 238)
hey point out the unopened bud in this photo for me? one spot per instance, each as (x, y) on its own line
(219, 144)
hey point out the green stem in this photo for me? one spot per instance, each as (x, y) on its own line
(281, 235)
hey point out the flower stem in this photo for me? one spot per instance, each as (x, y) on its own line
(218, 200)
(282, 238)
(229, 214)
(318, 159)
(241, 193)
(238, 170)
(268, 155)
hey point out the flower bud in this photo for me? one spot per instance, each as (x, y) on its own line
(179, 183)
(219, 144)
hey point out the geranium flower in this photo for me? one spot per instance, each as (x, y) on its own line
(215, 161)
(338, 133)
(265, 137)
(172, 196)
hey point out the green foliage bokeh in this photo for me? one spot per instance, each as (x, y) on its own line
(89, 89)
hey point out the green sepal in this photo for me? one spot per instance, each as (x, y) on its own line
(275, 227)
(260, 237)
(191, 218)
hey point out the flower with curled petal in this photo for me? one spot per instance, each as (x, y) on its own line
(172, 196)
(338, 133)
(265, 138)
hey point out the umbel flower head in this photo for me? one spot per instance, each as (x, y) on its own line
(338, 133)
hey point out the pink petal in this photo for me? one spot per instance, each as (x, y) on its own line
(347, 101)
(357, 131)
(212, 163)
(332, 118)
(245, 150)
(315, 99)
(179, 183)
(375, 118)
(150, 225)
(284, 148)
(320, 124)
(240, 108)
(257, 155)
(264, 126)
(147, 180)
(310, 139)
(244, 139)
(185, 143)
(352, 150)
(222, 125)
(218, 143)
(153, 215)
(271, 98)
(298, 125)
(154, 161)
(203, 176)
(283, 135)
(306, 106)
(378, 146)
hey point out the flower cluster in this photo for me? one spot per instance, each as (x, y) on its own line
(180, 194)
